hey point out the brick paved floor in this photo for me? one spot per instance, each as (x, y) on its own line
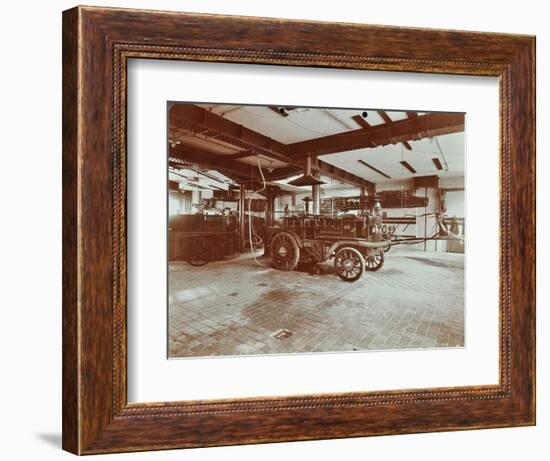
(416, 300)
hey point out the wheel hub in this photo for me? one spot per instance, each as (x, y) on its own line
(283, 251)
(348, 264)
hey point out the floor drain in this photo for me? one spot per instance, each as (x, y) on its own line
(282, 334)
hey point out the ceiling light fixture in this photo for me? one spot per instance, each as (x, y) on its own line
(306, 179)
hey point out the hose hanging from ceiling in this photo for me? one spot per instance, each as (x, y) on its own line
(250, 215)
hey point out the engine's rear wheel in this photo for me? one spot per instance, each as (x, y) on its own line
(285, 252)
(374, 262)
(349, 264)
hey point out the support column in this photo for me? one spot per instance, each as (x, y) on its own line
(426, 224)
(270, 210)
(363, 198)
(242, 215)
(196, 198)
(371, 189)
(315, 189)
(316, 199)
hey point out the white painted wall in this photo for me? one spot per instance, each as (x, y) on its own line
(455, 203)
(177, 203)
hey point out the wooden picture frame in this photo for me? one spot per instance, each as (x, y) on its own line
(97, 43)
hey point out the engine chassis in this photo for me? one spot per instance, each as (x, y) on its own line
(317, 239)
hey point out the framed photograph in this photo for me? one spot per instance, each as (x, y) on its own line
(281, 230)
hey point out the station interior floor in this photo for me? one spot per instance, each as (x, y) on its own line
(240, 307)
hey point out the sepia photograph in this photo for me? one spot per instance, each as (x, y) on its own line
(283, 230)
(309, 229)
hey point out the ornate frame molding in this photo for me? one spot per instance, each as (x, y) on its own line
(97, 45)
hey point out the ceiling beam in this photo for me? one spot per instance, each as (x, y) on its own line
(389, 121)
(407, 145)
(324, 168)
(207, 159)
(244, 154)
(429, 125)
(376, 170)
(408, 166)
(361, 121)
(385, 117)
(239, 172)
(437, 163)
(342, 175)
(242, 173)
(196, 118)
(199, 120)
(282, 173)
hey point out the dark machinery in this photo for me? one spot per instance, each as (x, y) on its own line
(445, 228)
(355, 243)
(200, 238)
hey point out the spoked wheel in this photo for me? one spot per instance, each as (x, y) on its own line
(374, 262)
(285, 252)
(349, 264)
(199, 251)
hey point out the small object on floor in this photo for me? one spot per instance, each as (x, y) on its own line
(282, 334)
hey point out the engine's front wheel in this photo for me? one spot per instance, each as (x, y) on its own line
(349, 264)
